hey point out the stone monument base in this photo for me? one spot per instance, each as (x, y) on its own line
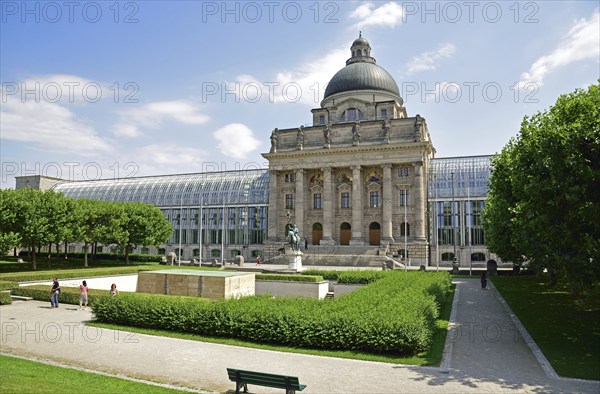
(295, 260)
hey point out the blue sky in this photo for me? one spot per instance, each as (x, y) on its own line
(104, 89)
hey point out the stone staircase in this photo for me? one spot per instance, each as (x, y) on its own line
(343, 256)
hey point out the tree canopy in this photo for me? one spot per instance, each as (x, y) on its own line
(34, 218)
(543, 203)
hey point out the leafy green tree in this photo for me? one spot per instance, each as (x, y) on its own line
(544, 196)
(31, 220)
(9, 236)
(86, 216)
(145, 225)
(57, 210)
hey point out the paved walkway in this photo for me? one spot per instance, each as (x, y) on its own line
(484, 353)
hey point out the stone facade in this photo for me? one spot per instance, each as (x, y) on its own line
(346, 179)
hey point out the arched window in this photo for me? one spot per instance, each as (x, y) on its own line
(352, 115)
(256, 253)
(405, 229)
(235, 252)
(402, 253)
(215, 253)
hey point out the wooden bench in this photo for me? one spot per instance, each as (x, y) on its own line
(243, 378)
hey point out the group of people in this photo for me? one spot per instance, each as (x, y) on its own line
(83, 293)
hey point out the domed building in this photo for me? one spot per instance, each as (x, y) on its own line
(361, 184)
(357, 176)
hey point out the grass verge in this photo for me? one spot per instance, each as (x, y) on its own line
(432, 357)
(566, 330)
(24, 376)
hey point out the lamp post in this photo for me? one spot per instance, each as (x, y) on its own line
(180, 229)
(453, 219)
(405, 231)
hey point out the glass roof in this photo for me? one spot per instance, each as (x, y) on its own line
(469, 175)
(213, 188)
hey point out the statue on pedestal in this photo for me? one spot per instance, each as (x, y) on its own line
(294, 238)
(300, 138)
(327, 136)
(386, 131)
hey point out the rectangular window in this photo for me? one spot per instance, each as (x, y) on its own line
(345, 200)
(290, 177)
(404, 197)
(384, 114)
(374, 199)
(317, 200)
(289, 201)
(321, 119)
(403, 172)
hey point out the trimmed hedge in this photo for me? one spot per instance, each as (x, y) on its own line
(326, 274)
(395, 314)
(75, 273)
(142, 258)
(290, 278)
(5, 298)
(68, 295)
(362, 277)
(7, 284)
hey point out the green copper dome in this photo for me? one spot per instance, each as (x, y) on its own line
(361, 76)
(361, 73)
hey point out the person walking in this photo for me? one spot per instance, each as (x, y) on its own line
(54, 293)
(483, 281)
(83, 295)
(258, 260)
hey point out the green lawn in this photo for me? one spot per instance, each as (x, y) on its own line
(566, 330)
(433, 357)
(23, 376)
(9, 264)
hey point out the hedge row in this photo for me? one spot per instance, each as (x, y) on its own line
(394, 315)
(290, 278)
(142, 258)
(362, 277)
(5, 298)
(68, 295)
(75, 273)
(7, 284)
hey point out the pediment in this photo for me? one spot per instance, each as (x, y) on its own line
(344, 187)
(373, 186)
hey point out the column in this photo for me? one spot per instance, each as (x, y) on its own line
(273, 210)
(327, 207)
(299, 202)
(419, 202)
(387, 203)
(357, 207)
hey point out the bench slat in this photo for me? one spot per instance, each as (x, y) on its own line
(265, 379)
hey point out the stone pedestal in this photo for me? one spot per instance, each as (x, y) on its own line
(295, 260)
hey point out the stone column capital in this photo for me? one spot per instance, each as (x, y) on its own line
(355, 167)
(386, 165)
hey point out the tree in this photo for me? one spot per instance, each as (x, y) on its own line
(144, 225)
(9, 236)
(543, 201)
(31, 219)
(86, 217)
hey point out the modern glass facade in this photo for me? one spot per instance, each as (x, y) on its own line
(457, 189)
(220, 214)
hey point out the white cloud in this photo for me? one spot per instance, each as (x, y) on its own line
(581, 43)
(389, 14)
(52, 127)
(428, 60)
(305, 84)
(61, 89)
(236, 140)
(168, 158)
(153, 115)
